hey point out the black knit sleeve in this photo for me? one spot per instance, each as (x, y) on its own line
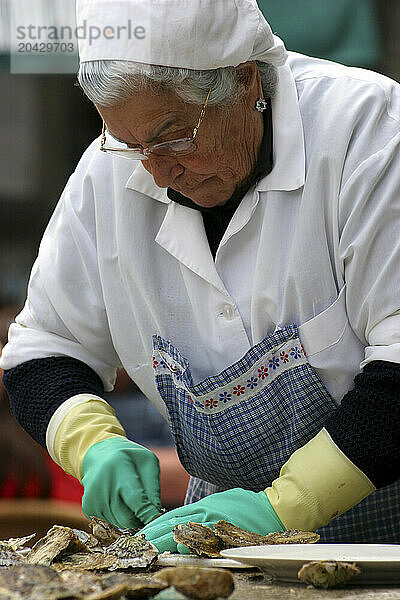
(366, 425)
(38, 387)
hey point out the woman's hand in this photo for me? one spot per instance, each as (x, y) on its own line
(122, 483)
(249, 510)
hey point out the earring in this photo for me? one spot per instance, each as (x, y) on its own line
(261, 104)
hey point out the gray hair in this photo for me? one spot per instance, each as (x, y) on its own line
(108, 83)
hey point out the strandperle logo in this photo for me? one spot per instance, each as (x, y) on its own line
(44, 35)
(66, 33)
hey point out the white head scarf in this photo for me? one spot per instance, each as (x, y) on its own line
(193, 34)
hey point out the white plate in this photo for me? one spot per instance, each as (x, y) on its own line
(379, 563)
(191, 560)
(183, 560)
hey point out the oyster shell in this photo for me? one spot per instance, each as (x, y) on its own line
(16, 543)
(108, 586)
(81, 582)
(32, 582)
(292, 536)
(328, 573)
(110, 593)
(135, 587)
(199, 539)
(57, 540)
(53, 591)
(8, 558)
(95, 561)
(6, 595)
(198, 582)
(103, 531)
(203, 541)
(235, 537)
(132, 550)
(87, 538)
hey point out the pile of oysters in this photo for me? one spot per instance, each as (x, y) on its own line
(69, 564)
(112, 564)
(207, 542)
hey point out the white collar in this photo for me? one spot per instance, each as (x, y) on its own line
(288, 171)
(142, 181)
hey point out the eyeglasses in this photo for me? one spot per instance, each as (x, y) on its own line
(172, 148)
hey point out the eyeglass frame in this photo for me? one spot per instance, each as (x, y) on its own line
(145, 152)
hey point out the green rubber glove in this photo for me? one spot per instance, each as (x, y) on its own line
(122, 483)
(249, 510)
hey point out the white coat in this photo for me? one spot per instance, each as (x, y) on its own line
(316, 242)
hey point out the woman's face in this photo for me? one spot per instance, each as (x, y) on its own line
(227, 142)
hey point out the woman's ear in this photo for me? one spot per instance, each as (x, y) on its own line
(246, 75)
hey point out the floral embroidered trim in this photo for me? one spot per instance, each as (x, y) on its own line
(163, 363)
(282, 358)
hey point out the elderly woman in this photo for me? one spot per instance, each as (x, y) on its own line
(243, 267)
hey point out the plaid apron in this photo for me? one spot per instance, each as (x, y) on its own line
(237, 428)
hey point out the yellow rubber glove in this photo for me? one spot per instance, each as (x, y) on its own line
(83, 425)
(317, 484)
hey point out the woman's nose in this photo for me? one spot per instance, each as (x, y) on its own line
(165, 169)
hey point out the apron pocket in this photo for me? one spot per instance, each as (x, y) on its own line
(238, 428)
(332, 347)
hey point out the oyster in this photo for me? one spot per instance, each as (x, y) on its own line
(32, 582)
(135, 587)
(328, 573)
(6, 595)
(110, 593)
(198, 538)
(8, 558)
(205, 542)
(16, 543)
(292, 536)
(235, 537)
(57, 540)
(8, 551)
(95, 561)
(103, 531)
(198, 582)
(53, 591)
(131, 550)
(87, 538)
(81, 582)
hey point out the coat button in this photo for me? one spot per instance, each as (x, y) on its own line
(229, 312)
